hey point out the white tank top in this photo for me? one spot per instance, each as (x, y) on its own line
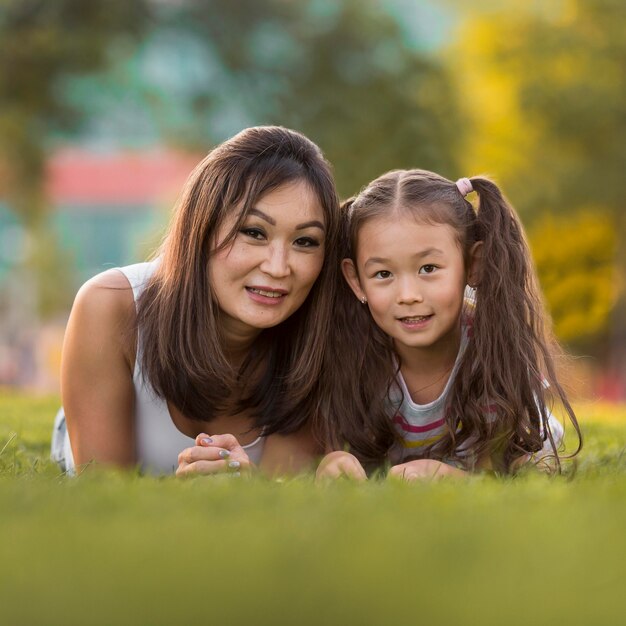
(159, 441)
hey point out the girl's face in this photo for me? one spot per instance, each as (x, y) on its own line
(267, 272)
(413, 276)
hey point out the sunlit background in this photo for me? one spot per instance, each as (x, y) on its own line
(106, 106)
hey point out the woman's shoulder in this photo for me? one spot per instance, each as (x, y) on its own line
(100, 329)
(115, 290)
(106, 296)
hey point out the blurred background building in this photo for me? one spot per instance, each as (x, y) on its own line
(106, 107)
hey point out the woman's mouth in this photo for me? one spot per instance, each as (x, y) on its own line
(265, 292)
(266, 295)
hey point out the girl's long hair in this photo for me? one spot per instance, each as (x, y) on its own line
(178, 320)
(506, 381)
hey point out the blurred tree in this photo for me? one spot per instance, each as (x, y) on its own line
(340, 71)
(578, 285)
(41, 44)
(546, 92)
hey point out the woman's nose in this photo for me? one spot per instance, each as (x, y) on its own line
(276, 261)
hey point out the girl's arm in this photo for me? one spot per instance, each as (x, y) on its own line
(97, 372)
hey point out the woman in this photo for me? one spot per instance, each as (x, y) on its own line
(209, 358)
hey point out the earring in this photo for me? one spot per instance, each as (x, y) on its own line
(363, 300)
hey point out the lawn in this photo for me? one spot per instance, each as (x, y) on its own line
(112, 548)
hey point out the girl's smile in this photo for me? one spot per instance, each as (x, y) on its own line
(416, 322)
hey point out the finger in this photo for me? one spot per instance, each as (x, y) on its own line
(353, 469)
(343, 467)
(412, 475)
(201, 467)
(226, 441)
(329, 471)
(396, 471)
(199, 453)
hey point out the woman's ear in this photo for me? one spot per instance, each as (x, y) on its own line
(475, 264)
(352, 278)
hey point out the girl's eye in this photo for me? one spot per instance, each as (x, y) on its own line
(254, 233)
(307, 242)
(382, 274)
(427, 269)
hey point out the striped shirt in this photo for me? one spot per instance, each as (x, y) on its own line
(420, 425)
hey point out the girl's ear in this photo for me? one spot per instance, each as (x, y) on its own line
(475, 264)
(352, 278)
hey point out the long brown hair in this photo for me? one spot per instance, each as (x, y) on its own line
(508, 364)
(178, 321)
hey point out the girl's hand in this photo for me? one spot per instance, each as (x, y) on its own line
(338, 464)
(424, 469)
(215, 454)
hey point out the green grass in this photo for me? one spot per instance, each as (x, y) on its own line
(113, 548)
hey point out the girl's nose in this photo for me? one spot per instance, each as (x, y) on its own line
(409, 291)
(276, 261)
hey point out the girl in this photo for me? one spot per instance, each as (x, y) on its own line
(224, 332)
(446, 360)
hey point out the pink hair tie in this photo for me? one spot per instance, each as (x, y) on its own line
(464, 185)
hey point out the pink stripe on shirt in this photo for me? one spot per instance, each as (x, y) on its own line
(400, 420)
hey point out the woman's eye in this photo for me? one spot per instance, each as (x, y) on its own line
(382, 274)
(427, 269)
(307, 242)
(254, 233)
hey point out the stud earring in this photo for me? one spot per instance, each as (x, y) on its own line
(363, 300)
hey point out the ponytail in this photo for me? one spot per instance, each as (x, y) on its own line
(508, 365)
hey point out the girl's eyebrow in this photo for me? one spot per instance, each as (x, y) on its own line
(429, 251)
(423, 253)
(376, 259)
(272, 221)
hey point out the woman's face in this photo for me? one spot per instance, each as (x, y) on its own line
(267, 272)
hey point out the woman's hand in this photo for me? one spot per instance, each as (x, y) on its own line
(424, 469)
(214, 454)
(338, 464)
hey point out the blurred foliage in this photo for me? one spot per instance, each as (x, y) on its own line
(544, 89)
(339, 71)
(41, 43)
(575, 258)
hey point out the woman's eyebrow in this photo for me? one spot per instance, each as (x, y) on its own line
(311, 224)
(263, 216)
(272, 221)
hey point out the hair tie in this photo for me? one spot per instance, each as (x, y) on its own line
(464, 185)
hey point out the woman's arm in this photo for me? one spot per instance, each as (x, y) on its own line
(97, 372)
